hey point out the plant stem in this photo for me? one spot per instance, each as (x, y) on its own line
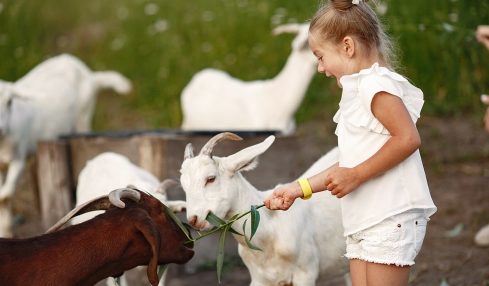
(228, 223)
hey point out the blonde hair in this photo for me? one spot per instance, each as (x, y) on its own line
(339, 18)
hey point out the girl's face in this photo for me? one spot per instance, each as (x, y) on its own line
(332, 59)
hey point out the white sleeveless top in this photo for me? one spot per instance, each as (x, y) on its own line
(361, 135)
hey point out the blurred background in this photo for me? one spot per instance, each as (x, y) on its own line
(159, 45)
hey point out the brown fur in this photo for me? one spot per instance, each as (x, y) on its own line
(107, 245)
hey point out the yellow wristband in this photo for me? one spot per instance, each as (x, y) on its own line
(306, 188)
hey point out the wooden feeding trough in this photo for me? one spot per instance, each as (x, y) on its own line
(158, 151)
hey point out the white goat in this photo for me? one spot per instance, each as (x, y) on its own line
(213, 100)
(55, 98)
(299, 245)
(108, 171)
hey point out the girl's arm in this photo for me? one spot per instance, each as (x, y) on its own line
(284, 196)
(392, 113)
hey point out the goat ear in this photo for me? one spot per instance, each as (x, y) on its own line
(150, 232)
(301, 41)
(166, 185)
(246, 159)
(302, 30)
(189, 151)
(99, 203)
(161, 192)
(176, 206)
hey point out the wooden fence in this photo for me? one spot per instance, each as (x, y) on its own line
(159, 152)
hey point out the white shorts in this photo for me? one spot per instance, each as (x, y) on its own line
(396, 240)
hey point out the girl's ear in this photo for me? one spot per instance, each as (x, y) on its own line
(348, 46)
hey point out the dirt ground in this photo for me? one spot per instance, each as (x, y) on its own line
(456, 157)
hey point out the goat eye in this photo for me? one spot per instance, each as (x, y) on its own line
(210, 180)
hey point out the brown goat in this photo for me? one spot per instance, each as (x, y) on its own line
(107, 245)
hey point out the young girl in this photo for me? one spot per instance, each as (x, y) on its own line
(379, 178)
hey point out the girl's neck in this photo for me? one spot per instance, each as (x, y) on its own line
(367, 62)
(362, 63)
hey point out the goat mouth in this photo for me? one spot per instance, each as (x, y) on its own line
(189, 245)
(201, 226)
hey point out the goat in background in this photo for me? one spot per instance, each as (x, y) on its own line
(213, 100)
(55, 98)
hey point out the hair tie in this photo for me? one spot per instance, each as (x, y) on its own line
(356, 2)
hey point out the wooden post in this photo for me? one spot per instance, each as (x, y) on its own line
(54, 181)
(152, 155)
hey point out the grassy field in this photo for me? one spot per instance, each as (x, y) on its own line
(160, 44)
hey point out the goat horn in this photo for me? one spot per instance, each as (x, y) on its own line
(209, 146)
(166, 185)
(116, 196)
(100, 203)
(189, 151)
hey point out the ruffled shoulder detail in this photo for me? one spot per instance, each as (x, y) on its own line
(360, 88)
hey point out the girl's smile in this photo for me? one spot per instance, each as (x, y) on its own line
(337, 60)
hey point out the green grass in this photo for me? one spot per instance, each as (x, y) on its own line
(160, 44)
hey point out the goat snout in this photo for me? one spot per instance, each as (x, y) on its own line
(193, 220)
(198, 224)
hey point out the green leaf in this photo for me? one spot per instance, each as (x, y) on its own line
(255, 220)
(174, 217)
(219, 222)
(230, 222)
(214, 220)
(234, 231)
(161, 270)
(220, 253)
(248, 242)
(234, 217)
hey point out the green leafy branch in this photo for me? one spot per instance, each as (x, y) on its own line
(224, 226)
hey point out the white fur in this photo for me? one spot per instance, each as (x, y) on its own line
(299, 245)
(55, 98)
(213, 100)
(109, 171)
(485, 99)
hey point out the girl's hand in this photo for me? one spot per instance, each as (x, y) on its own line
(485, 99)
(283, 196)
(342, 181)
(482, 35)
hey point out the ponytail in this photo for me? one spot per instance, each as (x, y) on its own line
(339, 18)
